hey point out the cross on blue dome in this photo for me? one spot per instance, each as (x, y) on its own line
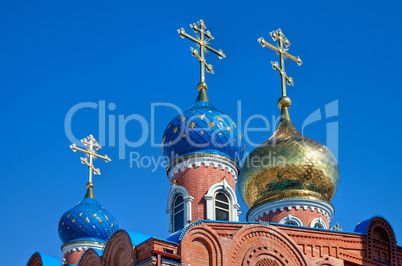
(202, 129)
(88, 220)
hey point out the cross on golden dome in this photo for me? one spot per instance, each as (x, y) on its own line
(282, 51)
(91, 147)
(202, 42)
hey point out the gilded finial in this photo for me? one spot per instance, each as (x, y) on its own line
(202, 42)
(336, 227)
(278, 35)
(91, 147)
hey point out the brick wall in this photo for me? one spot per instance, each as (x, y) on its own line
(306, 216)
(154, 246)
(197, 181)
(234, 244)
(200, 253)
(91, 258)
(72, 257)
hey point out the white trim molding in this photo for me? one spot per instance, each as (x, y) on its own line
(206, 161)
(228, 190)
(320, 222)
(256, 213)
(173, 193)
(78, 246)
(290, 219)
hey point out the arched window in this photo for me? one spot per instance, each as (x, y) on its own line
(222, 209)
(178, 213)
(175, 192)
(291, 220)
(318, 223)
(222, 195)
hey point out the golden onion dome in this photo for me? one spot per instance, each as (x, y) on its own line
(288, 165)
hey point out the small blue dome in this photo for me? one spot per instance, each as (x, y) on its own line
(89, 221)
(202, 129)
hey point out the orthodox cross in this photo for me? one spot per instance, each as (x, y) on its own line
(202, 42)
(336, 227)
(91, 147)
(280, 37)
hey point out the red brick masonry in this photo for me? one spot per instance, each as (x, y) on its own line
(233, 243)
(197, 181)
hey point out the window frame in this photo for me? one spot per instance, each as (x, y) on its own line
(291, 220)
(176, 190)
(176, 213)
(229, 209)
(230, 193)
(320, 222)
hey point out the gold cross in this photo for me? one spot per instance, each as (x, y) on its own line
(202, 42)
(92, 147)
(336, 227)
(280, 37)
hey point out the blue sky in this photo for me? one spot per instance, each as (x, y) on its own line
(57, 54)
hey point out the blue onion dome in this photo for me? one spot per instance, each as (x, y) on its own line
(288, 165)
(87, 221)
(202, 130)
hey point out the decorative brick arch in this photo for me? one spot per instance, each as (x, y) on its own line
(119, 250)
(255, 243)
(267, 262)
(200, 246)
(35, 260)
(39, 259)
(90, 258)
(386, 247)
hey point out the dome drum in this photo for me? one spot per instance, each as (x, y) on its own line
(81, 245)
(311, 207)
(206, 159)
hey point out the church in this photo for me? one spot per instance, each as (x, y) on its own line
(287, 184)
